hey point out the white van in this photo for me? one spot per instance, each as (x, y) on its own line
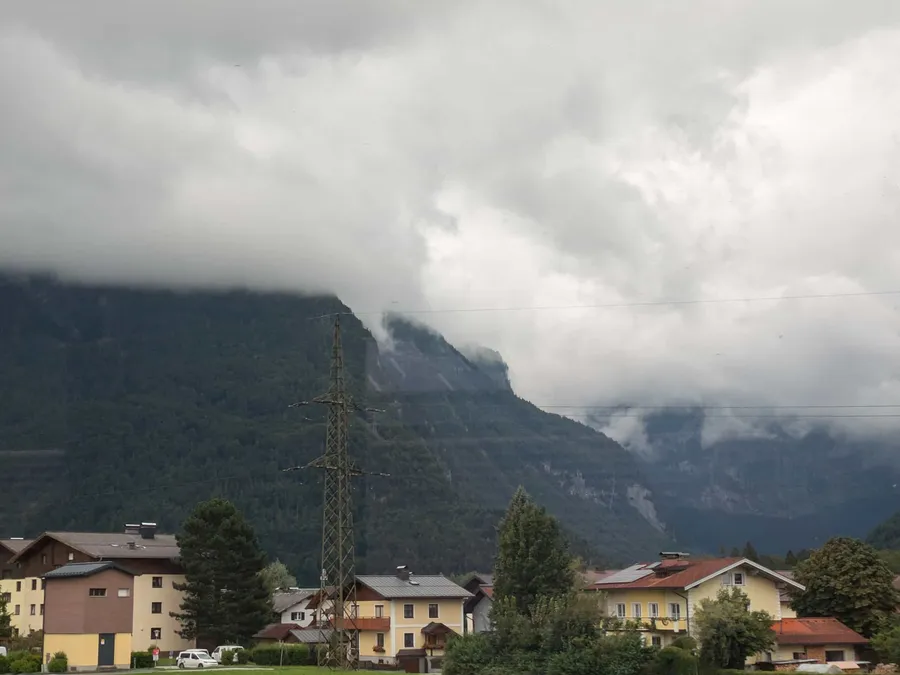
(217, 652)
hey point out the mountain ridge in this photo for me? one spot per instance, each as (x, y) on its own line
(154, 399)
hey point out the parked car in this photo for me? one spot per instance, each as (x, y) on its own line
(195, 658)
(217, 652)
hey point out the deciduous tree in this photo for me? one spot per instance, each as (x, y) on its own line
(729, 632)
(276, 575)
(846, 579)
(225, 598)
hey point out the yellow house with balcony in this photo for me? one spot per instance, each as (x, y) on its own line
(406, 619)
(663, 596)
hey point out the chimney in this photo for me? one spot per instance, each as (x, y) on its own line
(132, 528)
(403, 572)
(147, 530)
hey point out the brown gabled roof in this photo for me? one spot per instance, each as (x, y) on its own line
(276, 631)
(815, 631)
(14, 545)
(109, 545)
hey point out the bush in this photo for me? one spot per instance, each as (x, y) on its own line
(58, 665)
(226, 657)
(674, 661)
(25, 664)
(4, 665)
(685, 642)
(293, 655)
(142, 660)
(243, 656)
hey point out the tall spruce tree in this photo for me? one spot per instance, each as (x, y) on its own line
(533, 558)
(5, 619)
(225, 596)
(750, 553)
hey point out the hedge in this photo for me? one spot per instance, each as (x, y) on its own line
(289, 655)
(142, 660)
(4, 665)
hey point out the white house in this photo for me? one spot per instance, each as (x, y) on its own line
(292, 605)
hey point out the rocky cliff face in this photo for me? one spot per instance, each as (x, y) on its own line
(780, 492)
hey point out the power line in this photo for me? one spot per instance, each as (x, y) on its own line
(612, 305)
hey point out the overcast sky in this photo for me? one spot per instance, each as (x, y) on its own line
(474, 155)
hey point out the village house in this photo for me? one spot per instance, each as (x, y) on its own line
(405, 619)
(149, 557)
(663, 596)
(825, 640)
(477, 608)
(292, 606)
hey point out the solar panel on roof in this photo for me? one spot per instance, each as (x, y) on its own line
(627, 575)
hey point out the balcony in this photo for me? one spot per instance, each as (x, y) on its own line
(381, 624)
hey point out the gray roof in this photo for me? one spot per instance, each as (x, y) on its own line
(117, 544)
(437, 586)
(311, 635)
(283, 600)
(73, 570)
(15, 545)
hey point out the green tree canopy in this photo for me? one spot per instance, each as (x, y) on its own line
(886, 642)
(790, 559)
(729, 632)
(5, 619)
(225, 598)
(533, 559)
(846, 579)
(276, 575)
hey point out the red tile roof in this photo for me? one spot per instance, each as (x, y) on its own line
(815, 631)
(691, 571)
(488, 591)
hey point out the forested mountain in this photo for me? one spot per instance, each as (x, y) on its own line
(120, 404)
(886, 535)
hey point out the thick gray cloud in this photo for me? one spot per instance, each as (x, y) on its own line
(473, 155)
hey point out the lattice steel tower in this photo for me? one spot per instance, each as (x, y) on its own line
(337, 581)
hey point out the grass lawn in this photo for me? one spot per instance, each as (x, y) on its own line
(288, 670)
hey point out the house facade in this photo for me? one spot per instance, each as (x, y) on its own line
(826, 640)
(293, 606)
(663, 596)
(478, 607)
(24, 597)
(151, 557)
(90, 615)
(406, 619)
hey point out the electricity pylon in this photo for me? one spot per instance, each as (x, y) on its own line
(337, 581)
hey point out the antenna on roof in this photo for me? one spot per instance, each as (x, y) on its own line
(673, 555)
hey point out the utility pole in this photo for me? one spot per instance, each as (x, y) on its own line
(337, 581)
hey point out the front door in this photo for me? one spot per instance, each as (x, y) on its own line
(106, 651)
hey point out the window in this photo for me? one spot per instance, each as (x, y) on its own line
(18, 587)
(653, 610)
(156, 633)
(408, 612)
(33, 610)
(635, 610)
(799, 656)
(18, 610)
(156, 608)
(738, 578)
(656, 641)
(674, 611)
(354, 610)
(298, 616)
(157, 582)
(620, 610)
(34, 584)
(71, 557)
(379, 640)
(97, 592)
(433, 610)
(409, 640)
(124, 592)
(43, 584)
(42, 610)
(379, 611)
(43, 558)
(834, 655)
